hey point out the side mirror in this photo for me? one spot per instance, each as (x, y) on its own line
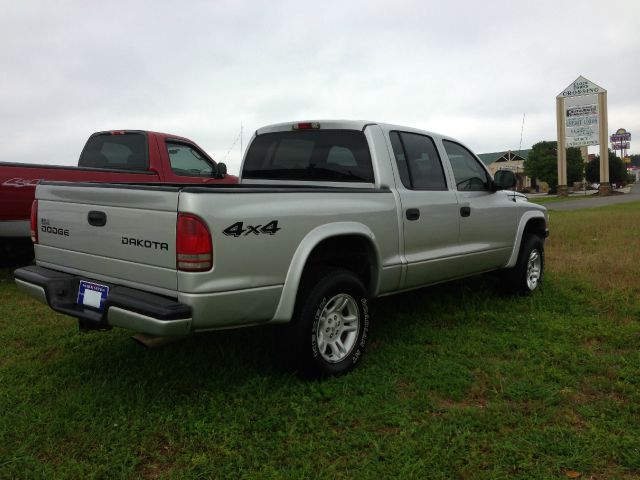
(222, 170)
(504, 180)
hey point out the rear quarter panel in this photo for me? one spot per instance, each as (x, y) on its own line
(252, 259)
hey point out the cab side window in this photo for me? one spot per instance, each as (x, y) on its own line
(418, 161)
(468, 172)
(188, 161)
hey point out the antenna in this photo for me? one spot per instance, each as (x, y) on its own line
(239, 137)
(521, 130)
(240, 141)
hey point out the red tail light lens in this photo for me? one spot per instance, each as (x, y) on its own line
(194, 250)
(305, 126)
(34, 221)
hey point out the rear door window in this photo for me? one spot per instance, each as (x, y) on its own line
(320, 155)
(418, 161)
(126, 151)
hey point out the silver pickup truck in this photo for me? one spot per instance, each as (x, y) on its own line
(328, 214)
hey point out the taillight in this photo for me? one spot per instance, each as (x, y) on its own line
(194, 250)
(34, 221)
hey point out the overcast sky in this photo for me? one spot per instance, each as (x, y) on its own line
(469, 69)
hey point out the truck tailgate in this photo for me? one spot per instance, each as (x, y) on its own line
(118, 234)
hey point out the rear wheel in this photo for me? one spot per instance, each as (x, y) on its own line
(329, 331)
(527, 275)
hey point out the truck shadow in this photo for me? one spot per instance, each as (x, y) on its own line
(15, 253)
(231, 359)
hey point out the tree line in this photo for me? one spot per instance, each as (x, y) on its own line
(542, 164)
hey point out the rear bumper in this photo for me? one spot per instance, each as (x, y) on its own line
(124, 307)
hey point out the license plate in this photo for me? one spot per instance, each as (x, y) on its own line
(92, 294)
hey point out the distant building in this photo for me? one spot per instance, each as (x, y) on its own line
(513, 161)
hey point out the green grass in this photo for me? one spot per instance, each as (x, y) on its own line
(555, 199)
(459, 381)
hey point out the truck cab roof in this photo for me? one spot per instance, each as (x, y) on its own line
(343, 125)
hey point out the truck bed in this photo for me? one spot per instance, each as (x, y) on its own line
(136, 246)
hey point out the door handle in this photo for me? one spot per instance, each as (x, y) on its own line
(465, 211)
(97, 219)
(413, 214)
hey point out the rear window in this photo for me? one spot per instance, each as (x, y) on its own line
(320, 155)
(125, 152)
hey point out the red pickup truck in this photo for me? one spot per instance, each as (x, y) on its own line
(122, 156)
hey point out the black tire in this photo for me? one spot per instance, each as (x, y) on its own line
(311, 341)
(528, 273)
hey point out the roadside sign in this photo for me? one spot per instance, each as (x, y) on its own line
(621, 135)
(621, 140)
(621, 146)
(625, 137)
(581, 86)
(581, 122)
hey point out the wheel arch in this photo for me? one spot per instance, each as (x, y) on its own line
(531, 222)
(349, 245)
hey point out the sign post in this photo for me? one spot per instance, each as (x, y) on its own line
(605, 185)
(581, 116)
(562, 152)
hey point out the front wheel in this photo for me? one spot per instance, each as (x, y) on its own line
(527, 275)
(329, 331)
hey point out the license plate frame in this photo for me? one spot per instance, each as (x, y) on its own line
(92, 295)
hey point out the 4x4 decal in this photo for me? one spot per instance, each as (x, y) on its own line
(21, 182)
(238, 229)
